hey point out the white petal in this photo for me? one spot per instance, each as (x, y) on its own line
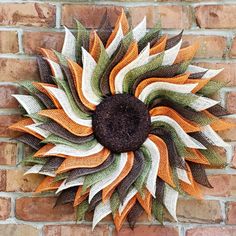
(112, 177)
(139, 61)
(61, 97)
(140, 30)
(180, 88)
(170, 200)
(29, 103)
(182, 175)
(187, 140)
(116, 41)
(34, 169)
(69, 151)
(36, 129)
(203, 103)
(152, 175)
(56, 69)
(68, 49)
(77, 182)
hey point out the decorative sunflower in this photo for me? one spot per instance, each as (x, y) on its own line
(121, 122)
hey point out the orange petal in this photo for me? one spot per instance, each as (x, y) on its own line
(95, 46)
(80, 196)
(131, 54)
(111, 187)
(40, 87)
(59, 116)
(146, 202)
(119, 219)
(77, 71)
(187, 126)
(124, 24)
(48, 185)
(200, 83)
(187, 53)
(43, 150)
(180, 79)
(84, 162)
(164, 170)
(159, 46)
(48, 53)
(21, 126)
(198, 157)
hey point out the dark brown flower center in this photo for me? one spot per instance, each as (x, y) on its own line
(121, 123)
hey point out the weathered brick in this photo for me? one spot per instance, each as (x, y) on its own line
(28, 14)
(199, 211)
(212, 231)
(210, 46)
(228, 75)
(2, 180)
(171, 16)
(12, 70)
(5, 208)
(8, 42)
(89, 15)
(5, 122)
(18, 230)
(32, 41)
(60, 230)
(42, 209)
(231, 213)
(7, 101)
(230, 102)
(151, 230)
(216, 16)
(8, 152)
(16, 181)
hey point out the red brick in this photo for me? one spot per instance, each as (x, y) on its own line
(18, 230)
(228, 75)
(233, 48)
(171, 16)
(60, 230)
(2, 180)
(89, 15)
(216, 16)
(230, 102)
(7, 101)
(8, 152)
(151, 230)
(210, 46)
(231, 213)
(234, 159)
(32, 41)
(28, 14)
(5, 208)
(12, 70)
(8, 42)
(229, 134)
(5, 122)
(199, 211)
(212, 231)
(17, 182)
(42, 209)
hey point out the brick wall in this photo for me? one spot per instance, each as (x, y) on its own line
(27, 25)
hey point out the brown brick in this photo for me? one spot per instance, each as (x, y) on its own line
(228, 75)
(12, 70)
(8, 152)
(216, 16)
(177, 17)
(5, 122)
(2, 180)
(234, 159)
(229, 134)
(210, 46)
(7, 101)
(89, 15)
(230, 102)
(60, 230)
(199, 211)
(8, 42)
(18, 230)
(28, 14)
(231, 212)
(32, 41)
(5, 208)
(42, 209)
(212, 231)
(151, 230)
(17, 182)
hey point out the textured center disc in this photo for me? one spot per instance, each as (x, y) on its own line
(121, 123)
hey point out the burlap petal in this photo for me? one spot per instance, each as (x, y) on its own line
(44, 70)
(173, 41)
(45, 100)
(66, 196)
(134, 214)
(30, 140)
(52, 164)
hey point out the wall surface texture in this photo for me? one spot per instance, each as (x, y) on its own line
(27, 25)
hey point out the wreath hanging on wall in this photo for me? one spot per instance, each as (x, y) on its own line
(121, 122)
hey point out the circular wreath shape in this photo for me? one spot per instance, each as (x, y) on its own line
(121, 123)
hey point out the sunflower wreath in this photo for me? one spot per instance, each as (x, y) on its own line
(121, 122)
